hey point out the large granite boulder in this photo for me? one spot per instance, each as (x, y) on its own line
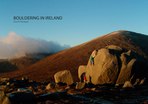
(114, 65)
(105, 68)
(133, 68)
(64, 77)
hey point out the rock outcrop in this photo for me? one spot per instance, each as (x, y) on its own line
(114, 65)
(64, 77)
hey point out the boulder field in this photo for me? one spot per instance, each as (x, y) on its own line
(114, 65)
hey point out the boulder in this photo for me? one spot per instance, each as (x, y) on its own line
(80, 85)
(105, 68)
(81, 70)
(126, 68)
(64, 77)
(133, 68)
(114, 47)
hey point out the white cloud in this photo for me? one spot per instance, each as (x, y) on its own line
(15, 45)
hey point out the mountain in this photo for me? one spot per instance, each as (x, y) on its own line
(7, 65)
(71, 58)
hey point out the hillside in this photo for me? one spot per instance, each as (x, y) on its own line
(73, 57)
(7, 65)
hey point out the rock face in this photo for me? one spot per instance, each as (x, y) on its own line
(64, 77)
(114, 65)
(128, 63)
(105, 68)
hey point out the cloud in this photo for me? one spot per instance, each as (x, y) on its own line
(14, 45)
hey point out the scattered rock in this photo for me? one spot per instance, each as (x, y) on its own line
(142, 81)
(50, 86)
(127, 84)
(80, 85)
(23, 90)
(4, 79)
(64, 77)
(93, 89)
(136, 82)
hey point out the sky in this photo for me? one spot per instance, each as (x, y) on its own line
(82, 20)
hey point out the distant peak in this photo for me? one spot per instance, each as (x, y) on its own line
(120, 32)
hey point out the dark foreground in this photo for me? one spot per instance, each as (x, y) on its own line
(31, 92)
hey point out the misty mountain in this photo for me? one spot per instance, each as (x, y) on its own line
(7, 65)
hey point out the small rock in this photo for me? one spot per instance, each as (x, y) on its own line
(137, 82)
(93, 89)
(67, 88)
(4, 79)
(50, 86)
(117, 85)
(142, 81)
(80, 85)
(127, 84)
